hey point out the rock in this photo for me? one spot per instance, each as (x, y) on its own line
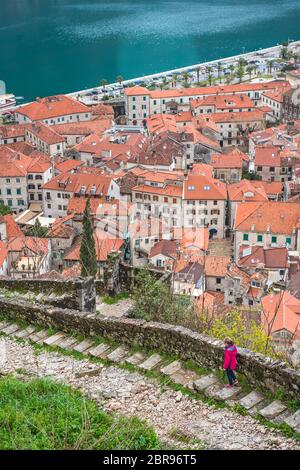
(88, 373)
(3, 324)
(83, 346)
(23, 334)
(136, 358)
(152, 362)
(38, 336)
(171, 368)
(118, 355)
(273, 410)
(99, 351)
(227, 393)
(54, 339)
(294, 421)
(10, 329)
(251, 400)
(68, 343)
(184, 377)
(204, 382)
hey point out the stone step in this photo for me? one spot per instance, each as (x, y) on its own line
(273, 410)
(68, 343)
(100, 351)
(184, 377)
(282, 417)
(38, 337)
(83, 346)
(205, 382)
(136, 358)
(118, 355)
(3, 324)
(23, 334)
(55, 339)
(10, 329)
(251, 400)
(211, 391)
(171, 368)
(151, 362)
(227, 393)
(294, 421)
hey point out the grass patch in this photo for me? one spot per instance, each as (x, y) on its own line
(116, 298)
(43, 415)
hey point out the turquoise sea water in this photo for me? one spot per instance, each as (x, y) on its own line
(52, 46)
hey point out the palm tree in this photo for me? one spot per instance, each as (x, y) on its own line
(174, 79)
(197, 69)
(231, 68)
(240, 72)
(165, 81)
(119, 79)
(186, 76)
(209, 74)
(219, 69)
(250, 70)
(103, 83)
(255, 68)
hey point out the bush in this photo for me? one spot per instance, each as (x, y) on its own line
(154, 300)
(43, 415)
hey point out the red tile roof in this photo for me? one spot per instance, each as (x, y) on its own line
(44, 133)
(74, 182)
(164, 247)
(281, 312)
(104, 244)
(271, 258)
(12, 131)
(68, 165)
(12, 228)
(203, 188)
(278, 217)
(3, 252)
(52, 107)
(245, 190)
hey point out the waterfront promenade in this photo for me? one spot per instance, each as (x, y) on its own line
(268, 53)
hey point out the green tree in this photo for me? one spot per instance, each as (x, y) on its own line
(119, 79)
(250, 70)
(209, 75)
(103, 83)
(186, 76)
(88, 259)
(4, 210)
(197, 69)
(240, 72)
(245, 332)
(154, 300)
(37, 230)
(219, 70)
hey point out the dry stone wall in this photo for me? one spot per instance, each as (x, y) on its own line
(261, 371)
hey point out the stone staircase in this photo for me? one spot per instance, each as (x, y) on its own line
(208, 385)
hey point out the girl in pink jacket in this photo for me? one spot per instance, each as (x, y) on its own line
(229, 365)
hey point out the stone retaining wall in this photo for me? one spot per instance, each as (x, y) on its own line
(77, 294)
(261, 371)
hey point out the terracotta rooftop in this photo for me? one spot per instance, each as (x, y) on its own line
(52, 107)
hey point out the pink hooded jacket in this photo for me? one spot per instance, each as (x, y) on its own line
(230, 357)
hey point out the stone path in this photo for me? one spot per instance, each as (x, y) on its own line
(132, 393)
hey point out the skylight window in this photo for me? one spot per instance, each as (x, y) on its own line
(206, 188)
(191, 188)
